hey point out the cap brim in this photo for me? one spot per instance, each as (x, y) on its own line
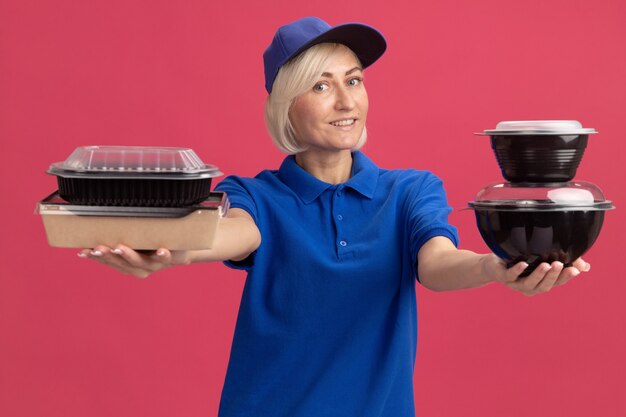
(366, 42)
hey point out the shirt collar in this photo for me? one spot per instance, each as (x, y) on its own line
(363, 180)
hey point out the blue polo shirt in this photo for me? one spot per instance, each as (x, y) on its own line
(328, 320)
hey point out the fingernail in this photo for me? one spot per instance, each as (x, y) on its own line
(81, 255)
(575, 272)
(588, 268)
(558, 265)
(118, 251)
(160, 253)
(96, 253)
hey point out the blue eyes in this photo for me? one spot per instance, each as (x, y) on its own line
(323, 86)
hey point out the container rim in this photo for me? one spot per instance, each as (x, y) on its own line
(534, 205)
(209, 171)
(494, 132)
(55, 205)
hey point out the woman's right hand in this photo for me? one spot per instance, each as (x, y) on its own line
(237, 236)
(139, 264)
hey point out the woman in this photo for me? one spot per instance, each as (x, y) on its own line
(332, 245)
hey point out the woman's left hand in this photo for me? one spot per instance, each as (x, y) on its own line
(545, 276)
(140, 264)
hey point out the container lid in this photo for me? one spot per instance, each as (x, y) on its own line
(539, 127)
(545, 196)
(55, 205)
(132, 162)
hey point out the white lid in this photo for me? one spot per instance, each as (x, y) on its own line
(539, 127)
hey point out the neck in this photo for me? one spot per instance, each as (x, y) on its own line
(332, 168)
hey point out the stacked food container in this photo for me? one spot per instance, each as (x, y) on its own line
(143, 197)
(540, 214)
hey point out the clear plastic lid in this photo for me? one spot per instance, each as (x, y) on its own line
(569, 195)
(132, 160)
(539, 127)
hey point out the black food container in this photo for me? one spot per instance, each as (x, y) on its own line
(134, 176)
(553, 222)
(539, 151)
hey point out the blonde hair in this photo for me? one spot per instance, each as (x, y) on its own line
(295, 78)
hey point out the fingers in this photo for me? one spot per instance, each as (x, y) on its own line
(546, 282)
(110, 257)
(581, 265)
(542, 279)
(547, 276)
(567, 274)
(133, 258)
(142, 265)
(100, 253)
(129, 261)
(527, 285)
(512, 274)
(105, 256)
(578, 266)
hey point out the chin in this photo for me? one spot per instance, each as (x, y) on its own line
(347, 145)
(348, 141)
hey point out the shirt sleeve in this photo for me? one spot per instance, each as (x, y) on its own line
(239, 196)
(428, 211)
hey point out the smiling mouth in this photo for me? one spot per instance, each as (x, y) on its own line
(345, 122)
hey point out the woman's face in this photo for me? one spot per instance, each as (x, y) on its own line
(331, 116)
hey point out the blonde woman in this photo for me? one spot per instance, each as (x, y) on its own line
(332, 245)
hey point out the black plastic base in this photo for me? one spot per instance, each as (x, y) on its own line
(539, 236)
(134, 192)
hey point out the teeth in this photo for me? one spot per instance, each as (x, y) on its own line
(343, 122)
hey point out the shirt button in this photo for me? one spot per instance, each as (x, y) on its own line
(343, 243)
(339, 217)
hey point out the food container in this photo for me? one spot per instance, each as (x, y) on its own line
(193, 227)
(553, 222)
(539, 150)
(134, 176)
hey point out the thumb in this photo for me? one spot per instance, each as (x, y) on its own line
(513, 273)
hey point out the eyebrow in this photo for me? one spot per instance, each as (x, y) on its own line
(329, 75)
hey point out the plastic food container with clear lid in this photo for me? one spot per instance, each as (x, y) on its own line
(539, 150)
(134, 176)
(540, 223)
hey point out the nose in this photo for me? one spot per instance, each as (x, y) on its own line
(344, 99)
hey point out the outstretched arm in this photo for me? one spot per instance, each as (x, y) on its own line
(443, 267)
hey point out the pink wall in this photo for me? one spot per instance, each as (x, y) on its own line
(77, 339)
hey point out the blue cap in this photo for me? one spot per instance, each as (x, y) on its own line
(366, 42)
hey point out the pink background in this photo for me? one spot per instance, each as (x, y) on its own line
(78, 339)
